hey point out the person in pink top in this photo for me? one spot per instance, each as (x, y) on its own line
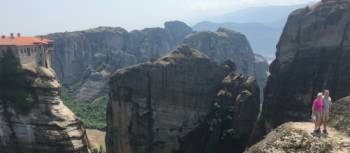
(317, 109)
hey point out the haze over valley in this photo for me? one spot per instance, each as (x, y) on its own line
(185, 76)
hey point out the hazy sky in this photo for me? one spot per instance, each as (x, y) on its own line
(33, 17)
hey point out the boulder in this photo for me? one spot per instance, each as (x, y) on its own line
(340, 115)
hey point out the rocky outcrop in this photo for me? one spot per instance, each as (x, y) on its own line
(296, 137)
(33, 118)
(83, 58)
(312, 55)
(229, 124)
(225, 45)
(168, 106)
(153, 104)
(340, 115)
(178, 30)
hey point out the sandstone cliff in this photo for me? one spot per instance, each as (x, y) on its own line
(168, 106)
(84, 59)
(312, 55)
(229, 124)
(225, 45)
(33, 118)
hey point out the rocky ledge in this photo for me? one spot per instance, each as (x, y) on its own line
(340, 115)
(296, 137)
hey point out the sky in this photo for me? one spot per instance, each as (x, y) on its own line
(35, 17)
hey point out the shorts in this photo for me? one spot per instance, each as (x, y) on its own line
(318, 116)
(325, 116)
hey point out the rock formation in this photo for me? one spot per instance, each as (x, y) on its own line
(295, 137)
(261, 72)
(33, 118)
(312, 55)
(86, 58)
(229, 124)
(168, 106)
(225, 45)
(340, 115)
(178, 30)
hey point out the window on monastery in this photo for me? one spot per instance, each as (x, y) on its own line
(28, 51)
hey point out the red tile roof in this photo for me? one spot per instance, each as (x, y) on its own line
(23, 41)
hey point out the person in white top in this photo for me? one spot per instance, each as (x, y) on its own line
(327, 103)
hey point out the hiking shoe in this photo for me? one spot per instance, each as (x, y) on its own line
(325, 131)
(317, 131)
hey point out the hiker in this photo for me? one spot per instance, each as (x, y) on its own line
(327, 102)
(317, 109)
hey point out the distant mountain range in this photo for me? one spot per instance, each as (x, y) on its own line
(261, 25)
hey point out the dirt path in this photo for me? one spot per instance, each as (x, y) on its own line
(96, 138)
(333, 135)
(298, 137)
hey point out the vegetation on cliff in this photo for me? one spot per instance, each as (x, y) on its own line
(13, 89)
(93, 113)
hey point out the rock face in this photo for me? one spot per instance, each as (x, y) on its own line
(261, 72)
(225, 45)
(229, 124)
(178, 30)
(86, 58)
(33, 118)
(155, 107)
(340, 115)
(153, 104)
(312, 55)
(295, 137)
